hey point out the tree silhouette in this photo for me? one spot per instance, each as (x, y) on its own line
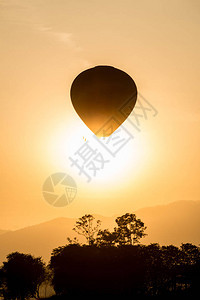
(85, 271)
(190, 266)
(130, 229)
(2, 287)
(106, 238)
(73, 241)
(22, 275)
(87, 227)
(191, 253)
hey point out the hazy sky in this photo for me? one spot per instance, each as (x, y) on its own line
(44, 45)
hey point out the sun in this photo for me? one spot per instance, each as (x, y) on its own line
(66, 141)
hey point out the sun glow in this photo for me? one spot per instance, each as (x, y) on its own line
(65, 144)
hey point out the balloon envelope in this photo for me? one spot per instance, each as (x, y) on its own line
(103, 96)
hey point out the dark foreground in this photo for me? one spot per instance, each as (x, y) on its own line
(126, 272)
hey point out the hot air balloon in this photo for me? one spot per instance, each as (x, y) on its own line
(98, 95)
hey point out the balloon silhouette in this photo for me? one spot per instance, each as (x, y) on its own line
(103, 97)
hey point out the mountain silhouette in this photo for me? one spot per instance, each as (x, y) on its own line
(173, 223)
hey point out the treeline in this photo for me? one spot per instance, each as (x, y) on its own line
(111, 263)
(126, 271)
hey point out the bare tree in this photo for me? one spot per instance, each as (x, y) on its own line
(88, 227)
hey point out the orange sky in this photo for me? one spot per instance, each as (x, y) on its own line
(44, 46)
